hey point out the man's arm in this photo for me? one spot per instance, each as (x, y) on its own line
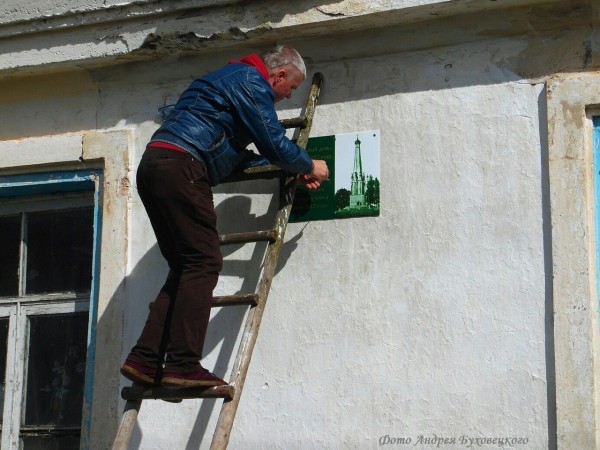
(256, 108)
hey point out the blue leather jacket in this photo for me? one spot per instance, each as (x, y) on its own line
(221, 113)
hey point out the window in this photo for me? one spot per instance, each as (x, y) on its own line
(47, 314)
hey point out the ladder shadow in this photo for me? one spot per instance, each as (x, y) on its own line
(225, 326)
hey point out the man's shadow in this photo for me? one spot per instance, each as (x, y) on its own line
(234, 215)
(225, 326)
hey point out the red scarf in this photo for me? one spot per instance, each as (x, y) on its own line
(254, 60)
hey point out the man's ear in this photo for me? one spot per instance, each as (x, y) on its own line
(280, 75)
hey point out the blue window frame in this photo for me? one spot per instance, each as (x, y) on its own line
(596, 158)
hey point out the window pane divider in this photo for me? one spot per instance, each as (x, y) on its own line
(56, 308)
(48, 298)
(23, 255)
(14, 380)
(48, 428)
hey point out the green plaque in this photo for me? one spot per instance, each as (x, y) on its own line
(353, 186)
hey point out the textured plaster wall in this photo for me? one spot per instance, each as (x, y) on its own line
(431, 320)
(447, 284)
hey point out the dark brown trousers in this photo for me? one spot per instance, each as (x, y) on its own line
(175, 190)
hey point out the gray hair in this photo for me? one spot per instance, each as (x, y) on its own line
(281, 56)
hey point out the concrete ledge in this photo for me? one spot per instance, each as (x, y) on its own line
(86, 36)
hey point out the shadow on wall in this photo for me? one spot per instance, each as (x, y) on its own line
(146, 278)
(548, 271)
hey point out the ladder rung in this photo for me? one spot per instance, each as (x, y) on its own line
(140, 392)
(295, 122)
(234, 300)
(249, 236)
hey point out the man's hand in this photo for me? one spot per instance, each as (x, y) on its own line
(309, 182)
(320, 170)
(319, 173)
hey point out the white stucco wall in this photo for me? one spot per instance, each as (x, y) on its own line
(424, 293)
(428, 320)
(431, 320)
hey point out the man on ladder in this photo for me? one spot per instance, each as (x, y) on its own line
(202, 140)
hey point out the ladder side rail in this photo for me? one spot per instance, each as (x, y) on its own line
(130, 414)
(244, 355)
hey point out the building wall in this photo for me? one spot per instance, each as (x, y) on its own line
(433, 320)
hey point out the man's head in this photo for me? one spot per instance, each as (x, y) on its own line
(286, 70)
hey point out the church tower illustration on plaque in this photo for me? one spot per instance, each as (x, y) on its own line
(358, 185)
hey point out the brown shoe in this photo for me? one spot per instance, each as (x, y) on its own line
(198, 378)
(139, 373)
(143, 375)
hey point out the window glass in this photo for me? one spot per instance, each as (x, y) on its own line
(59, 250)
(3, 350)
(56, 369)
(10, 239)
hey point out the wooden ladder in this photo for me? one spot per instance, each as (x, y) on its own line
(232, 392)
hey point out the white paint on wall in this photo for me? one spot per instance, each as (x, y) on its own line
(446, 284)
